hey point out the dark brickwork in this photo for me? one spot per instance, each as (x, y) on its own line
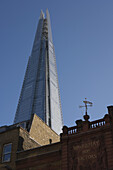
(42, 158)
(89, 145)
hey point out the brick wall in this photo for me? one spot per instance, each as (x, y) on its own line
(80, 147)
(42, 158)
(9, 136)
(20, 140)
(25, 141)
(42, 133)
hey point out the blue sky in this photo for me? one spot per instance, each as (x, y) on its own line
(83, 39)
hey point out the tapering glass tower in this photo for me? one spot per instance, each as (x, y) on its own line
(40, 91)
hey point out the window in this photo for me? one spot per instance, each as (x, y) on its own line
(7, 152)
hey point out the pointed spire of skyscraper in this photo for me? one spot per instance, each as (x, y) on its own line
(40, 91)
(41, 15)
(49, 25)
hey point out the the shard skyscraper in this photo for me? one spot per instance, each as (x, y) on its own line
(40, 91)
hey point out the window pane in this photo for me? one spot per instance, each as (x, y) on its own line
(6, 157)
(7, 148)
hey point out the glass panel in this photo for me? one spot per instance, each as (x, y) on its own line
(7, 148)
(24, 109)
(6, 158)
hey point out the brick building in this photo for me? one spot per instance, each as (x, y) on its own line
(14, 139)
(86, 146)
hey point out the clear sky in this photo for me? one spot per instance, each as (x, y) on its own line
(83, 39)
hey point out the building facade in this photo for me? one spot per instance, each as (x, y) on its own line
(40, 91)
(86, 146)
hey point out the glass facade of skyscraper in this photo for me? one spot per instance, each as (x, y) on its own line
(40, 91)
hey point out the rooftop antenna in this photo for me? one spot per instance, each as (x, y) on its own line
(87, 104)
